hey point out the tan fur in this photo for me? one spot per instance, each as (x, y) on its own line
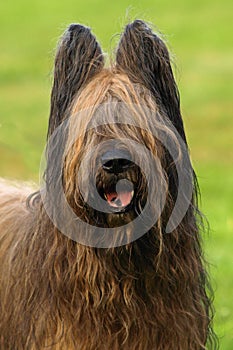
(83, 298)
(57, 294)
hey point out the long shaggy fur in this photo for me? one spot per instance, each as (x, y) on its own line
(152, 293)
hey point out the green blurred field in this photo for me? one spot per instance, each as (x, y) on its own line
(199, 34)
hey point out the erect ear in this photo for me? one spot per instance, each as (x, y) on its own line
(144, 57)
(78, 59)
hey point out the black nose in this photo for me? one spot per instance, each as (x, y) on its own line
(116, 161)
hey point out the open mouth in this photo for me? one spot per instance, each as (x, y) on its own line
(119, 195)
(120, 199)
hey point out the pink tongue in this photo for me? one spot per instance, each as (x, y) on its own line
(121, 199)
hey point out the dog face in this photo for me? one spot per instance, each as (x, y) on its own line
(110, 145)
(113, 122)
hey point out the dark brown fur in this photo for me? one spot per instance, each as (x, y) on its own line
(152, 293)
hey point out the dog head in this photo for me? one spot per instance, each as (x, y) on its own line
(110, 131)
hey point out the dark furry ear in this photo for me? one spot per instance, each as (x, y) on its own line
(78, 58)
(144, 57)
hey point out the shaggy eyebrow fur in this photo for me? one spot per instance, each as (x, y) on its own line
(153, 293)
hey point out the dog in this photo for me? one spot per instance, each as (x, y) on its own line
(102, 256)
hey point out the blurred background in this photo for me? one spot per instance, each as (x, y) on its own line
(200, 37)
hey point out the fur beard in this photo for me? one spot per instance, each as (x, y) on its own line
(56, 293)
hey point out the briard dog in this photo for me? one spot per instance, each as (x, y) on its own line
(107, 254)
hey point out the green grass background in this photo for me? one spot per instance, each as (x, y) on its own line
(199, 34)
